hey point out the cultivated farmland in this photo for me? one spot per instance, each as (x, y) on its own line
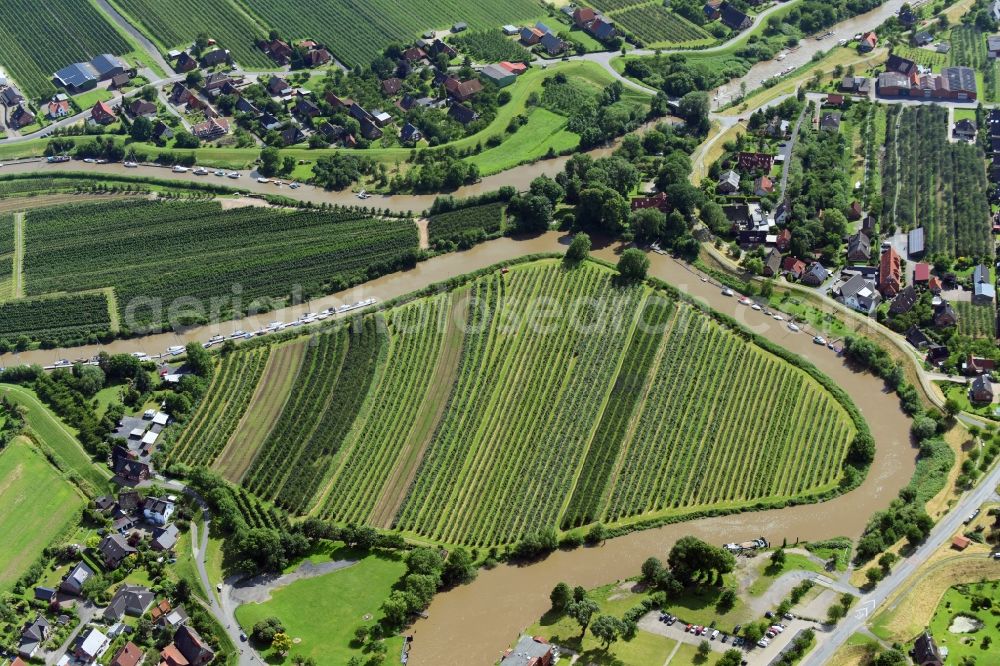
(655, 24)
(37, 39)
(170, 24)
(67, 319)
(37, 505)
(975, 320)
(939, 185)
(197, 250)
(543, 397)
(490, 46)
(356, 31)
(6, 257)
(472, 222)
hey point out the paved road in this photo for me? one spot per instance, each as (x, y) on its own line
(871, 601)
(146, 44)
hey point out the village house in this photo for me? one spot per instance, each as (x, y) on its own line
(157, 511)
(729, 182)
(113, 549)
(973, 366)
(964, 130)
(462, 114)
(815, 275)
(72, 584)
(868, 42)
(128, 655)
(793, 267)
(529, 651)
(981, 390)
(192, 646)
(33, 636)
(90, 645)
(185, 63)
(733, 18)
(755, 161)
(921, 274)
(58, 107)
(830, 122)
(763, 186)
(890, 273)
(462, 90)
(945, 315)
(917, 338)
(140, 107)
(164, 538)
(859, 248)
(277, 50)
(993, 46)
(409, 134)
(772, 263)
(904, 301)
(658, 201)
(131, 600)
(216, 57)
(783, 240)
(102, 114)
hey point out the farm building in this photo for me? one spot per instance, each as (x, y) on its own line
(890, 273)
(529, 651)
(499, 75)
(82, 76)
(915, 242)
(993, 45)
(733, 18)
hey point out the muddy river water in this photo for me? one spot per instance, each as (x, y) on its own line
(480, 619)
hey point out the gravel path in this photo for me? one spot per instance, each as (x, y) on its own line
(259, 588)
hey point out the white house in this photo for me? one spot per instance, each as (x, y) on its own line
(157, 511)
(860, 293)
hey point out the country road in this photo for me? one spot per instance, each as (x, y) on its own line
(871, 601)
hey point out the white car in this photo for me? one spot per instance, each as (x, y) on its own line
(763, 643)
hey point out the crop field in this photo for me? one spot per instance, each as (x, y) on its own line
(490, 46)
(221, 409)
(454, 225)
(415, 335)
(693, 444)
(6, 257)
(325, 401)
(975, 320)
(608, 6)
(968, 48)
(177, 24)
(37, 505)
(263, 409)
(655, 24)
(939, 185)
(543, 397)
(356, 31)
(37, 39)
(64, 319)
(198, 251)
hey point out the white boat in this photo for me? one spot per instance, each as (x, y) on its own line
(820, 340)
(220, 173)
(727, 292)
(131, 165)
(179, 169)
(793, 328)
(778, 317)
(308, 315)
(233, 174)
(215, 339)
(755, 306)
(89, 160)
(201, 171)
(175, 349)
(745, 301)
(274, 325)
(237, 335)
(263, 180)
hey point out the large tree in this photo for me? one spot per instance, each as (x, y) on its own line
(633, 265)
(691, 556)
(583, 612)
(693, 108)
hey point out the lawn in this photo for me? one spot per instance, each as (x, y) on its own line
(38, 504)
(960, 393)
(322, 613)
(60, 439)
(964, 114)
(976, 645)
(769, 573)
(544, 131)
(88, 99)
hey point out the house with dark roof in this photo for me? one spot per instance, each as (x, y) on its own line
(915, 242)
(113, 549)
(754, 161)
(981, 390)
(243, 105)
(816, 274)
(216, 57)
(45, 593)
(410, 134)
(462, 114)
(783, 239)
(162, 131)
(904, 301)
(126, 466)
(973, 366)
(33, 636)
(922, 38)
(893, 84)
(917, 338)
(531, 36)
(185, 63)
(529, 651)
(119, 81)
(278, 50)
(859, 248)
(733, 18)
(278, 87)
(945, 315)
(964, 130)
(602, 29)
(869, 41)
(391, 86)
(73, 582)
(830, 122)
(330, 131)
(192, 646)
(772, 263)
(659, 201)
(292, 135)
(899, 64)
(21, 117)
(11, 96)
(140, 107)
(711, 9)
(76, 78)
(131, 600)
(305, 109)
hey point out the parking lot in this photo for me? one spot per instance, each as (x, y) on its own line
(752, 655)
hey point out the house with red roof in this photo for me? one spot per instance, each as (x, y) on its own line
(921, 273)
(658, 201)
(763, 186)
(102, 114)
(793, 267)
(889, 273)
(783, 240)
(58, 108)
(514, 67)
(868, 42)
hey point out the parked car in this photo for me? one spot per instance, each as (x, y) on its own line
(715, 634)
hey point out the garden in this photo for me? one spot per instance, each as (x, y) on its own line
(966, 623)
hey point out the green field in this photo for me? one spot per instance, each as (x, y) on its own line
(198, 251)
(919, 165)
(57, 437)
(59, 319)
(37, 504)
(453, 225)
(655, 25)
(6, 257)
(975, 320)
(170, 25)
(323, 612)
(356, 31)
(36, 39)
(440, 436)
(976, 645)
(545, 132)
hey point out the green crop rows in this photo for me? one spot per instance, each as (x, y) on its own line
(655, 24)
(490, 46)
(976, 321)
(197, 250)
(60, 320)
(929, 182)
(257, 514)
(326, 398)
(39, 38)
(567, 400)
(356, 31)
(968, 48)
(415, 334)
(609, 6)
(6, 257)
(175, 24)
(453, 225)
(627, 394)
(221, 409)
(523, 405)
